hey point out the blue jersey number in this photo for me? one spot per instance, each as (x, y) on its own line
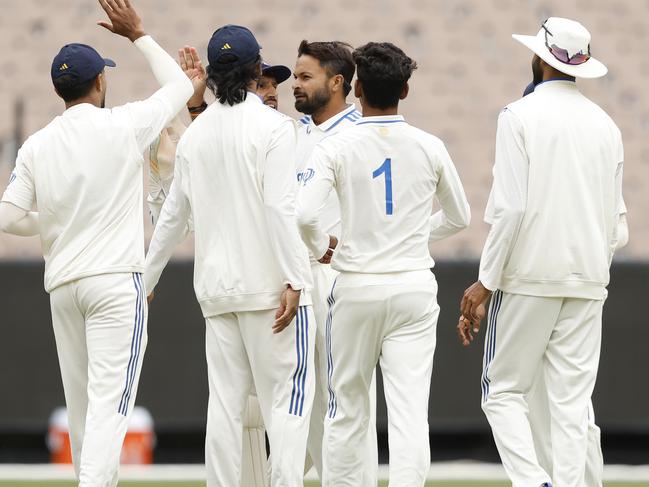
(386, 168)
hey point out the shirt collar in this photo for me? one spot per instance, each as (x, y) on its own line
(555, 83)
(383, 119)
(81, 107)
(336, 119)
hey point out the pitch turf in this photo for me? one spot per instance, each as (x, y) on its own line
(308, 484)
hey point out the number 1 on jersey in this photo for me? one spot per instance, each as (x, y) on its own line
(386, 168)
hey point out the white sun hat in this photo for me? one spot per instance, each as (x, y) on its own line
(565, 45)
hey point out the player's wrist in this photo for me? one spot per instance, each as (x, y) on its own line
(197, 105)
(136, 34)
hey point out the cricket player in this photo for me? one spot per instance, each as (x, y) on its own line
(234, 172)
(271, 77)
(383, 305)
(323, 76)
(83, 173)
(537, 398)
(255, 469)
(554, 211)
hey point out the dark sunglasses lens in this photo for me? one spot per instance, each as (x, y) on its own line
(579, 59)
(563, 56)
(559, 53)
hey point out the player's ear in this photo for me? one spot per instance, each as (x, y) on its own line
(358, 89)
(404, 91)
(337, 83)
(100, 81)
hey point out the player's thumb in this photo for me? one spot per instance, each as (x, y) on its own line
(106, 25)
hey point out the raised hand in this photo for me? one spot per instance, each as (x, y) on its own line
(124, 20)
(191, 64)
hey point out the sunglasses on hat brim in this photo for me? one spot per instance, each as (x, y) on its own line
(561, 54)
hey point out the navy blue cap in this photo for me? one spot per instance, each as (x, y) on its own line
(279, 72)
(80, 61)
(232, 46)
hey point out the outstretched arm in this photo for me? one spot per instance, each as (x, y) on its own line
(170, 229)
(150, 116)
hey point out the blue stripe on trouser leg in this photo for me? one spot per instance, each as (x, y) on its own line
(490, 345)
(305, 339)
(302, 370)
(140, 282)
(136, 342)
(330, 362)
(301, 344)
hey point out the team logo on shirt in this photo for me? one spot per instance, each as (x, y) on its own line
(304, 176)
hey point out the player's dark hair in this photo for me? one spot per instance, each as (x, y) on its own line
(231, 86)
(383, 70)
(69, 88)
(335, 57)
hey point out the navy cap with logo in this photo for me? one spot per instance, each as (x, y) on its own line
(279, 72)
(80, 61)
(232, 46)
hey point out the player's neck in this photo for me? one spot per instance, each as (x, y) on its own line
(86, 99)
(379, 112)
(331, 109)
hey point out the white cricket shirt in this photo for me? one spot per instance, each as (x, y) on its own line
(308, 136)
(235, 175)
(83, 172)
(386, 174)
(556, 197)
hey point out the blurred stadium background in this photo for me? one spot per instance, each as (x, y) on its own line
(469, 68)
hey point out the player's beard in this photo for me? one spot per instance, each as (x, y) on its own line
(537, 72)
(312, 103)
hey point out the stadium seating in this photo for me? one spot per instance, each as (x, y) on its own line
(469, 68)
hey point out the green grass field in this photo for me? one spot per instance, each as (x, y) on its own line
(308, 484)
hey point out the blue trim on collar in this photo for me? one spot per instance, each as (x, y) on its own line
(380, 122)
(555, 79)
(346, 115)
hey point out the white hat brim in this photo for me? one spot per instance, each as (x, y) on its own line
(590, 69)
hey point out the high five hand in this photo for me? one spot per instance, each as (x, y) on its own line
(124, 20)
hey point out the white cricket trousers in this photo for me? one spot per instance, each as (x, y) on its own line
(323, 280)
(559, 338)
(100, 330)
(539, 417)
(241, 350)
(391, 318)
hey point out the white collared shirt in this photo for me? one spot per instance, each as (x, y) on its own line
(83, 172)
(556, 198)
(308, 136)
(386, 174)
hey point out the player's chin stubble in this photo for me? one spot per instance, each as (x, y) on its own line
(311, 104)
